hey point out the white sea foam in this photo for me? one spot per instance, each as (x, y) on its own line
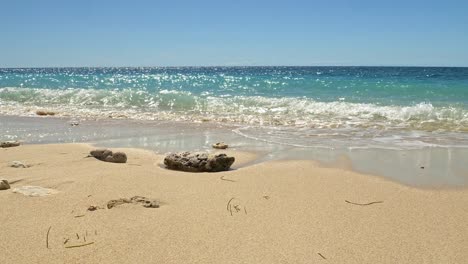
(253, 110)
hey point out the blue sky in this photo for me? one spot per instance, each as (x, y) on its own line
(181, 33)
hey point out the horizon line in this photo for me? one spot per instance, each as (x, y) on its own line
(238, 66)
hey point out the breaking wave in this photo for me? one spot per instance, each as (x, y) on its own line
(253, 110)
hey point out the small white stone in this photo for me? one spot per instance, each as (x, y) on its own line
(34, 191)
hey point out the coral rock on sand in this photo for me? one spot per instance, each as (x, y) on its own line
(44, 113)
(108, 156)
(4, 185)
(9, 144)
(198, 162)
(18, 164)
(220, 145)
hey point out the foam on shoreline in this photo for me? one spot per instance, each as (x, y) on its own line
(443, 166)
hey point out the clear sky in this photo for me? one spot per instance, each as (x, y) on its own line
(40, 33)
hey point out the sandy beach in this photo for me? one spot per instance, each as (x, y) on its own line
(222, 132)
(271, 212)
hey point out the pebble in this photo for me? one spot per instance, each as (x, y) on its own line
(220, 145)
(4, 185)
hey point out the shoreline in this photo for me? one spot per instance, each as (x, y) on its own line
(443, 167)
(248, 159)
(289, 211)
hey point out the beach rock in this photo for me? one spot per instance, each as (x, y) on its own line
(145, 202)
(34, 191)
(220, 145)
(4, 185)
(100, 154)
(18, 164)
(198, 162)
(9, 144)
(117, 157)
(108, 156)
(44, 113)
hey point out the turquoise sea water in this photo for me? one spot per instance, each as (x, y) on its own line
(402, 107)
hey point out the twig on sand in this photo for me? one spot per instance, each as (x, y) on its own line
(66, 241)
(13, 182)
(81, 245)
(228, 206)
(222, 178)
(47, 237)
(76, 216)
(321, 256)
(363, 204)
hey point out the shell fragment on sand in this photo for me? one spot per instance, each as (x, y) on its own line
(4, 185)
(93, 208)
(9, 144)
(109, 156)
(18, 164)
(198, 162)
(34, 191)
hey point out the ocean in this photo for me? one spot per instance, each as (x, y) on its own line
(408, 124)
(381, 107)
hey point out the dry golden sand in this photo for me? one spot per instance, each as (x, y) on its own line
(283, 212)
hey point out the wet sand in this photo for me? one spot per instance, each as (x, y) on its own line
(444, 166)
(271, 212)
